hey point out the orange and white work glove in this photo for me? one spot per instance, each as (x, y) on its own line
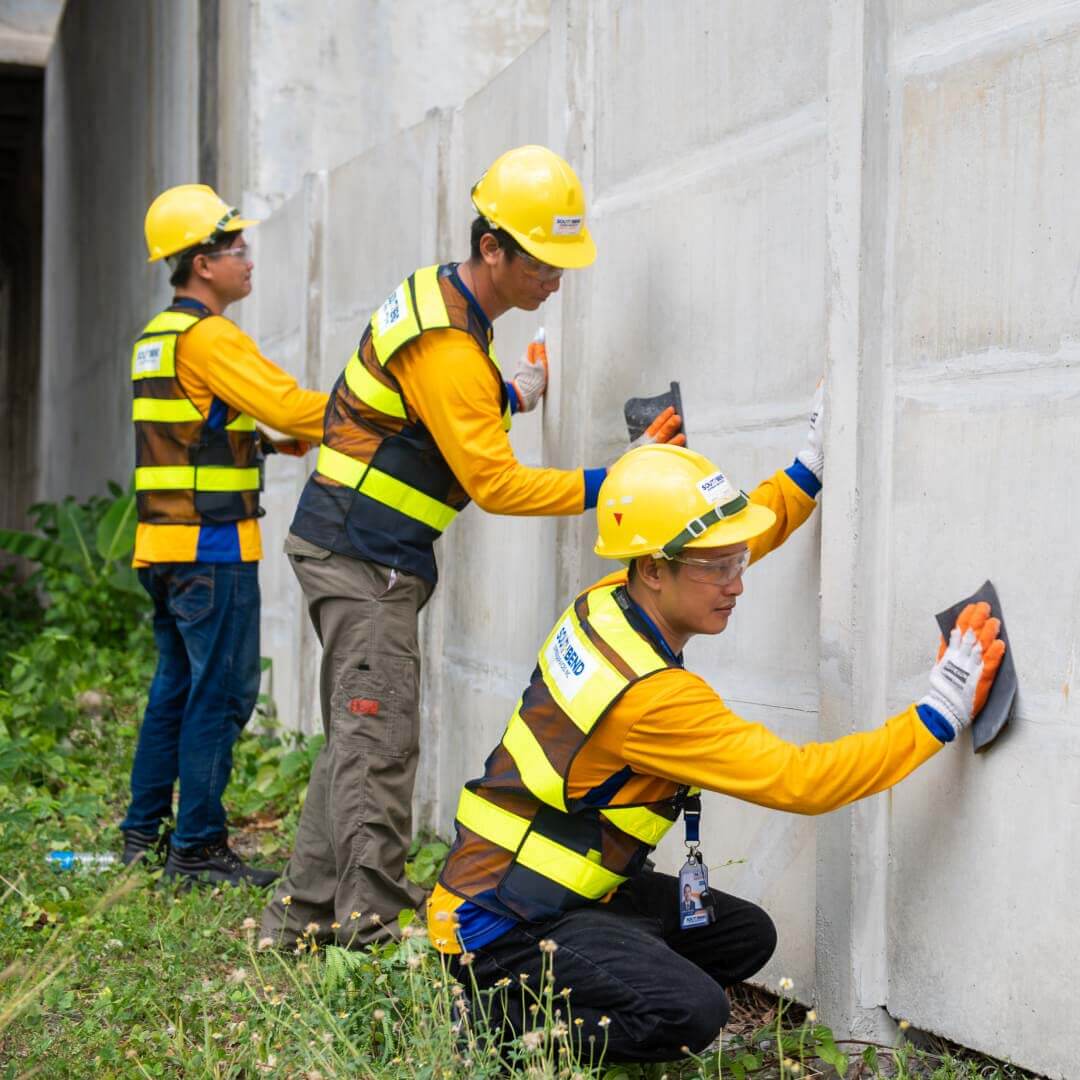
(531, 378)
(666, 428)
(961, 679)
(812, 455)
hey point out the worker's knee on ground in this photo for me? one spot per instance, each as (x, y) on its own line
(696, 1015)
(762, 933)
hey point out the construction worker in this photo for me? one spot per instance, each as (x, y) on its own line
(200, 385)
(613, 739)
(417, 426)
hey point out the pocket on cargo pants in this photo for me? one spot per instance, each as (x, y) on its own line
(375, 729)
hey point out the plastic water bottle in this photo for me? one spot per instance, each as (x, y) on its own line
(81, 860)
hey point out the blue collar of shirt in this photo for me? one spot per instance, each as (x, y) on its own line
(451, 270)
(651, 628)
(190, 302)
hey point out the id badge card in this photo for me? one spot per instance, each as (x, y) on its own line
(695, 902)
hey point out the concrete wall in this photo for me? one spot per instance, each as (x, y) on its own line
(323, 82)
(880, 191)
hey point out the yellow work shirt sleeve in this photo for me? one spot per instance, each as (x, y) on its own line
(448, 380)
(791, 505)
(216, 358)
(684, 732)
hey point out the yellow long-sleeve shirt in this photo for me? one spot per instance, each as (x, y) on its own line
(673, 726)
(216, 359)
(447, 378)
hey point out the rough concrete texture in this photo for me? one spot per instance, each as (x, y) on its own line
(877, 188)
(26, 30)
(363, 71)
(109, 149)
(909, 235)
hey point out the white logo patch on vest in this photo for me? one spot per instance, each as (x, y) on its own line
(568, 661)
(717, 488)
(393, 309)
(148, 358)
(566, 224)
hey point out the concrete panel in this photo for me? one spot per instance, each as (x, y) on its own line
(991, 841)
(332, 79)
(277, 307)
(986, 225)
(692, 78)
(380, 227)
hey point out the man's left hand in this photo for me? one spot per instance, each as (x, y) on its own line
(530, 379)
(812, 455)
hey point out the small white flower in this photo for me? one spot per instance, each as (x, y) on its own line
(786, 984)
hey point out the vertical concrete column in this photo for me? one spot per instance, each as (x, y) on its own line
(434, 798)
(315, 229)
(568, 405)
(852, 843)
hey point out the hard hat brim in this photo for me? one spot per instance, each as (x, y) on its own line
(748, 523)
(573, 253)
(751, 522)
(234, 225)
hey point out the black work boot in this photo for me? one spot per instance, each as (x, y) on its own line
(150, 848)
(215, 863)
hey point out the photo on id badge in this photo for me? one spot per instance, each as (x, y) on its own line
(693, 887)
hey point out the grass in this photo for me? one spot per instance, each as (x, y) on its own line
(114, 975)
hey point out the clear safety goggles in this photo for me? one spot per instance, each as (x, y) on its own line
(239, 251)
(720, 571)
(542, 271)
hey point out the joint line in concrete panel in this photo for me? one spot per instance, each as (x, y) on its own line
(989, 27)
(740, 153)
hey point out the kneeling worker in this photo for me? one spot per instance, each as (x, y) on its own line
(612, 740)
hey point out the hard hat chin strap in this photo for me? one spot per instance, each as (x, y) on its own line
(700, 525)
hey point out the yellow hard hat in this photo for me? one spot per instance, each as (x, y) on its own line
(659, 499)
(537, 198)
(188, 215)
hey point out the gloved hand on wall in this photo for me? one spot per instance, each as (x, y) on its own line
(666, 428)
(812, 455)
(961, 679)
(530, 379)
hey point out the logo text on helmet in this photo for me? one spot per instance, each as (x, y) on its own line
(566, 224)
(392, 310)
(716, 488)
(567, 661)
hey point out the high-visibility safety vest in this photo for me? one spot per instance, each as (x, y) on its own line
(402, 493)
(522, 845)
(189, 469)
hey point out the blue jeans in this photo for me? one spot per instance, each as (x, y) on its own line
(206, 626)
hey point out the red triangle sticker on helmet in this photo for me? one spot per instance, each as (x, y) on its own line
(618, 519)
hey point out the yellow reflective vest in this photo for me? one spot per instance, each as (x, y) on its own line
(378, 460)
(522, 846)
(189, 469)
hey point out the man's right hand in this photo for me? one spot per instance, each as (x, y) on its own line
(961, 680)
(666, 428)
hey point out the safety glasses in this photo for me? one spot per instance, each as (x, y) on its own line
(240, 251)
(720, 571)
(537, 269)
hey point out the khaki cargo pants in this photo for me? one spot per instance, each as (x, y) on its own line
(348, 864)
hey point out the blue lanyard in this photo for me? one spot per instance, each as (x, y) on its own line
(691, 804)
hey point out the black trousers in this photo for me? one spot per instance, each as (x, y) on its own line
(660, 988)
